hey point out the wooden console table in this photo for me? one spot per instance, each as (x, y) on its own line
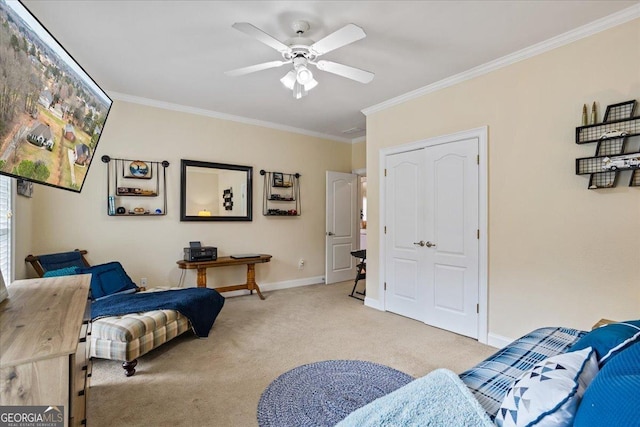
(226, 261)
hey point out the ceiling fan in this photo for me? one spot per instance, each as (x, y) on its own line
(301, 52)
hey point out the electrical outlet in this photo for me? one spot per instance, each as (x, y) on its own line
(301, 264)
(143, 281)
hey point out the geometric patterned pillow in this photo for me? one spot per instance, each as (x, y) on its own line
(549, 394)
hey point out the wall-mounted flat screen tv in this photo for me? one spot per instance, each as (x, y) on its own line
(51, 112)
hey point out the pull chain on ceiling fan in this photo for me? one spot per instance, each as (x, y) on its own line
(302, 52)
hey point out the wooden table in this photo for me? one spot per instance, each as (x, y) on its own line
(226, 261)
(43, 345)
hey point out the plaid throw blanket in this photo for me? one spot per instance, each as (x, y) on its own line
(490, 379)
(200, 305)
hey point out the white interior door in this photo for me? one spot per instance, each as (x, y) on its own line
(405, 293)
(431, 244)
(341, 230)
(451, 186)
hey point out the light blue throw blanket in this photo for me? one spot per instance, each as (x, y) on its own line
(439, 399)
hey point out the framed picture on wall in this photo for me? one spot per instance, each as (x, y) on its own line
(278, 179)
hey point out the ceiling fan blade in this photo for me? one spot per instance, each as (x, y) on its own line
(352, 73)
(261, 36)
(345, 35)
(254, 68)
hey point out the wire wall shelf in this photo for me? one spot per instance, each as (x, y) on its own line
(611, 137)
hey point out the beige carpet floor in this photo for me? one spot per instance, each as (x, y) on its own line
(218, 381)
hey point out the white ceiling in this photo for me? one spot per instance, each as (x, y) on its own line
(175, 52)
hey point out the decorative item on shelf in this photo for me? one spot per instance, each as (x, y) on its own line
(278, 180)
(112, 205)
(594, 114)
(611, 136)
(624, 162)
(139, 169)
(158, 211)
(585, 120)
(204, 212)
(121, 210)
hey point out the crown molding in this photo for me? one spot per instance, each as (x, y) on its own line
(222, 116)
(576, 34)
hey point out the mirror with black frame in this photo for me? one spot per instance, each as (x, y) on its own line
(215, 191)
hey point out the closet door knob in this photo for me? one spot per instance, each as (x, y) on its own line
(430, 245)
(420, 243)
(329, 233)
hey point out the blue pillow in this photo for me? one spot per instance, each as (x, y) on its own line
(610, 339)
(66, 271)
(612, 398)
(107, 279)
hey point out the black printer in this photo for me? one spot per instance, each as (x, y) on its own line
(200, 253)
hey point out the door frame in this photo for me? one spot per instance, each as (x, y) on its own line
(481, 133)
(361, 173)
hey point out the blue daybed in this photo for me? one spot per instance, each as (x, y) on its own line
(127, 321)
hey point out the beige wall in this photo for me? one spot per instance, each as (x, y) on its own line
(149, 246)
(559, 254)
(359, 155)
(23, 232)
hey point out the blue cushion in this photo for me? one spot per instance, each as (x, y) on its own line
(107, 279)
(61, 260)
(610, 339)
(612, 398)
(126, 291)
(66, 271)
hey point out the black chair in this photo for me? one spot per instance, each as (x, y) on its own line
(361, 272)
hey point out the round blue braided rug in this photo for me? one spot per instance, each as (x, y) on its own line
(324, 393)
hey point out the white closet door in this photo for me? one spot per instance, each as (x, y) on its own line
(432, 250)
(405, 268)
(451, 188)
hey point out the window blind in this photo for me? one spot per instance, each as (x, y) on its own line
(6, 255)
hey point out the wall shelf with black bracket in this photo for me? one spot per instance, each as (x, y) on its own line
(281, 194)
(136, 187)
(611, 158)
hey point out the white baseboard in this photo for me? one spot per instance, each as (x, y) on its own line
(276, 286)
(498, 341)
(373, 303)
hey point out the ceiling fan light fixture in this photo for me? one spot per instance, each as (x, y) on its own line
(313, 83)
(304, 75)
(299, 90)
(289, 79)
(291, 82)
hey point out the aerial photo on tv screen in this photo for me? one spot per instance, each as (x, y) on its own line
(51, 112)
